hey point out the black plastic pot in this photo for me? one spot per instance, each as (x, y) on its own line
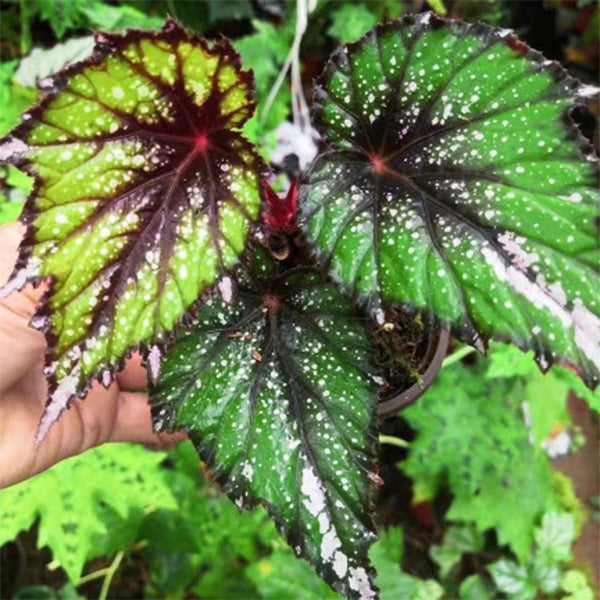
(429, 367)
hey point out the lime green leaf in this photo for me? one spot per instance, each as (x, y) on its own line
(276, 391)
(68, 497)
(438, 6)
(471, 434)
(576, 585)
(9, 211)
(145, 196)
(455, 181)
(545, 406)
(350, 21)
(506, 361)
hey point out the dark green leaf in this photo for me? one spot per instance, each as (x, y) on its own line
(35, 592)
(230, 10)
(170, 552)
(204, 546)
(145, 194)
(458, 540)
(455, 181)
(276, 392)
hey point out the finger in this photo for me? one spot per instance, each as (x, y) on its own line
(22, 350)
(10, 238)
(22, 304)
(133, 378)
(134, 423)
(85, 424)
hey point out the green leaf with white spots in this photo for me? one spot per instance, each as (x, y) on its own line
(276, 392)
(455, 181)
(145, 193)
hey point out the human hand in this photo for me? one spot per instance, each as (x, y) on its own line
(117, 414)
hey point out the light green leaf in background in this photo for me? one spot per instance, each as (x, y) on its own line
(350, 21)
(513, 579)
(41, 62)
(498, 479)
(68, 497)
(556, 535)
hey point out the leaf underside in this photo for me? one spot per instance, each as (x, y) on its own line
(276, 392)
(455, 181)
(144, 196)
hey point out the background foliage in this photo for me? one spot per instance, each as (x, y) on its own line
(472, 507)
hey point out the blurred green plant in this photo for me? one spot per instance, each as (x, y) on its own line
(265, 52)
(81, 502)
(350, 21)
(472, 437)
(541, 574)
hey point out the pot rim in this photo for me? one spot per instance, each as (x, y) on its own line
(391, 406)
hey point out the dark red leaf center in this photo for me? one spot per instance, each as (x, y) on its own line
(201, 142)
(378, 164)
(271, 302)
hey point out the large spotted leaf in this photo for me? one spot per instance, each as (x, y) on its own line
(455, 181)
(144, 195)
(276, 392)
